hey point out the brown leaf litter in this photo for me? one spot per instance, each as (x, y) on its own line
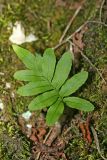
(78, 45)
(49, 143)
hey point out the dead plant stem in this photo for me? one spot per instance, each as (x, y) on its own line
(78, 30)
(89, 61)
(101, 8)
(69, 38)
(69, 24)
(97, 143)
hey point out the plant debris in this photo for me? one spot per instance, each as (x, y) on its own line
(48, 21)
(46, 141)
(78, 45)
(85, 129)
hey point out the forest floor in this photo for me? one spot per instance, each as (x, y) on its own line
(83, 136)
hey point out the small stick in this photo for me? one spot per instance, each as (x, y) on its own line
(38, 156)
(82, 54)
(47, 135)
(97, 143)
(69, 24)
(88, 60)
(78, 30)
(101, 8)
(68, 130)
(98, 22)
(69, 37)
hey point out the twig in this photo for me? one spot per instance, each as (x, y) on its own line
(98, 22)
(68, 130)
(69, 37)
(78, 30)
(38, 156)
(88, 60)
(47, 135)
(69, 24)
(97, 143)
(101, 8)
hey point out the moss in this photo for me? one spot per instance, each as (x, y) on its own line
(13, 145)
(47, 21)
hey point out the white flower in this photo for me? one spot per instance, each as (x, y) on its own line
(18, 35)
(31, 38)
(26, 115)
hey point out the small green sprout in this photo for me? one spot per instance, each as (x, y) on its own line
(49, 82)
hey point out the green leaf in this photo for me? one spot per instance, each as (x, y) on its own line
(62, 70)
(43, 100)
(38, 64)
(54, 112)
(33, 88)
(27, 75)
(73, 84)
(49, 61)
(25, 56)
(79, 103)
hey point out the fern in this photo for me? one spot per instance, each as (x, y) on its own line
(49, 82)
